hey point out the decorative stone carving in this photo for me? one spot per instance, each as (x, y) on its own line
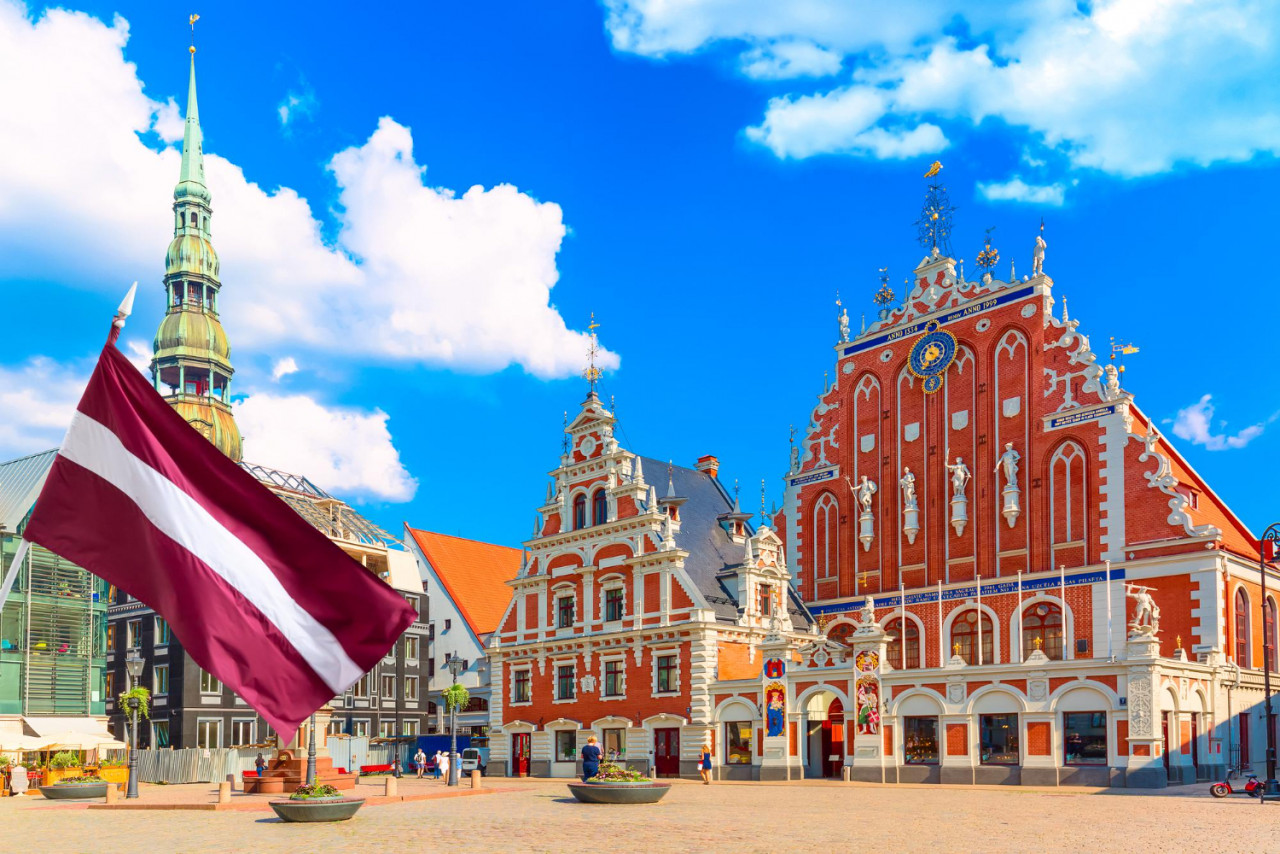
(1010, 493)
(844, 326)
(960, 478)
(1037, 689)
(910, 509)
(866, 519)
(1146, 614)
(1140, 720)
(955, 692)
(1111, 383)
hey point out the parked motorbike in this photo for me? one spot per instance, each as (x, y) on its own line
(1252, 788)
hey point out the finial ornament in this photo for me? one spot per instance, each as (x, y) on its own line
(1123, 350)
(564, 434)
(843, 318)
(989, 255)
(192, 21)
(955, 648)
(764, 519)
(1039, 643)
(885, 296)
(592, 374)
(934, 225)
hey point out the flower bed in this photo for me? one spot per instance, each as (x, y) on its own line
(76, 788)
(616, 785)
(315, 804)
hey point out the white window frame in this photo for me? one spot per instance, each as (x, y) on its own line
(156, 688)
(362, 689)
(209, 692)
(612, 582)
(388, 679)
(217, 724)
(555, 680)
(133, 634)
(564, 590)
(411, 696)
(360, 727)
(253, 730)
(653, 668)
(386, 729)
(604, 660)
(412, 648)
(168, 631)
(409, 726)
(512, 698)
(168, 732)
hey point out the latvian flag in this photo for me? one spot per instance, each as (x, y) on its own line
(256, 595)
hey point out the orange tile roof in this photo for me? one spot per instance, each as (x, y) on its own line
(474, 574)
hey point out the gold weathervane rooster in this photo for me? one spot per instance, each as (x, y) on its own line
(934, 169)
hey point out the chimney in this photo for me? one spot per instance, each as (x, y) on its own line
(708, 464)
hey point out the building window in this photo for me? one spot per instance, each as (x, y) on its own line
(160, 679)
(614, 681)
(209, 732)
(335, 727)
(209, 683)
(110, 685)
(411, 646)
(159, 733)
(363, 687)
(826, 546)
(133, 634)
(666, 681)
(409, 726)
(613, 604)
(999, 734)
(244, 731)
(580, 512)
(766, 600)
(113, 594)
(413, 603)
(1042, 622)
(360, 728)
(411, 688)
(903, 651)
(520, 686)
(964, 636)
(599, 508)
(920, 741)
(1084, 738)
(564, 682)
(162, 631)
(564, 612)
(566, 745)
(1242, 627)
(1269, 634)
(737, 743)
(448, 624)
(387, 729)
(111, 637)
(614, 744)
(388, 686)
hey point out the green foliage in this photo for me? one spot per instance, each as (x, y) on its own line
(319, 790)
(88, 778)
(110, 762)
(65, 759)
(612, 773)
(456, 697)
(4, 761)
(144, 700)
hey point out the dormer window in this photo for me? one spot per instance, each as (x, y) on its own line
(580, 512)
(599, 508)
(766, 600)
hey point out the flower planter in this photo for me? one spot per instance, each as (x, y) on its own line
(53, 775)
(619, 793)
(317, 809)
(74, 791)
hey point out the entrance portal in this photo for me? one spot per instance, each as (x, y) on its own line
(824, 736)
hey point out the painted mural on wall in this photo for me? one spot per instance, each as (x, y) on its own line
(867, 696)
(775, 700)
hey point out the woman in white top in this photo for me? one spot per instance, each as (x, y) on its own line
(443, 764)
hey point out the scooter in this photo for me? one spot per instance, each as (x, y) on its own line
(1252, 788)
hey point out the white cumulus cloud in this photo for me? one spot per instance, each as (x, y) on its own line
(414, 273)
(38, 398)
(343, 451)
(1195, 424)
(284, 367)
(1128, 87)
(1017, 190)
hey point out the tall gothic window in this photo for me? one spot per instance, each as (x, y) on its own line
(826, 541)
(908, 636)
(1242, 627)
(599, 508)
(1042, 621)
(964, 636)
(580, 512)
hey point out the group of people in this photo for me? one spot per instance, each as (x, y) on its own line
(439, 764)
(592, 753)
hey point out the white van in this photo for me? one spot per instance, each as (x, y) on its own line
(471, 761)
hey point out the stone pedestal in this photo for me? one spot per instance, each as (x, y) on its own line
(1146, 742)
(959, 513)
(1012, 503)
(866, 529)
(911, 523)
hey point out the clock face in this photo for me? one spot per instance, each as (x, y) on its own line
(931, 355)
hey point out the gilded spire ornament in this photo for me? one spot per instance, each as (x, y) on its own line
(934, 225)
(884, 297)
(989, 255)
(592, 374)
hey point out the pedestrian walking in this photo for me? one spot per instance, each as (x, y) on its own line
(443, 765)
(591, 754)
(704, 763)
(435, 765)
(260, 764)
(419, 760)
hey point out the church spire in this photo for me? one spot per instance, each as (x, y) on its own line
(191, 176)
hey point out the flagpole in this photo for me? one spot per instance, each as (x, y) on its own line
(979, 618)
(123, 312)
(902, 618)
(1107, 565)
(12, 575)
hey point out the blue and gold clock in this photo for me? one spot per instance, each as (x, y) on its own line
(931, 355)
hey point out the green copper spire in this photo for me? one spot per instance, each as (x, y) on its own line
(191, 365)
(191, 176)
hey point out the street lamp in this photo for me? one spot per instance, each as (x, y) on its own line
(455, 667)
(1267, 549)
(395, 768)
(134, 664)
(311, 750)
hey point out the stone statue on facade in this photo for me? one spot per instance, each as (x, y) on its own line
(866, 519)
(1011, 494)
(1037, 256)
(795, 458)
(1146, 614)
(865, 489)
(844, 326)
(910, 507)
(960, 478)
(1111, 382)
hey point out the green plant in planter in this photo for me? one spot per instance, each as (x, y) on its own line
(144, 700)
(612, 773)
(89, 778)
(4, 761)
(455, 697)
(319, 790)
(65, 759)
(112, 763)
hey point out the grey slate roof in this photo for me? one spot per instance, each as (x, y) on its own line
(20, 483)
(712, 553)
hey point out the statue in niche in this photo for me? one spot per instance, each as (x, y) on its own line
(908, 484)
(865, 489)
(1009, 462)
(960, 477)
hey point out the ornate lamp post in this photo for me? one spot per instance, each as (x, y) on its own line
(1267, 550)
(395, 766)
(133, 664)
(311, 750)
(455, 667)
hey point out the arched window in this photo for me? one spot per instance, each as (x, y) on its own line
(599, 508)
(1242, 628)
(1042, 621)
(826, 540)
(964, 636)
(1269, 634)
(840, 632)
(904, 649)
(580, 512)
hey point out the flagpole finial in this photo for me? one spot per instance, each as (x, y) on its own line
(125, 309)
(192, 21)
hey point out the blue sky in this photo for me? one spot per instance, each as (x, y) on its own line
(702, 175)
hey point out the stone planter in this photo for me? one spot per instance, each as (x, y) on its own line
(317, 809)
(619, 793)
(74, 791)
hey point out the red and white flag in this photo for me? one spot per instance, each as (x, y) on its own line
(257, 596)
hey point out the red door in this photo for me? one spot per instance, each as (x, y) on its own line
(1164, 732)
(833, 741)
(520, 754)
(666, 752)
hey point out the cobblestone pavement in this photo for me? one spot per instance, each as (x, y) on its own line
(540, 816)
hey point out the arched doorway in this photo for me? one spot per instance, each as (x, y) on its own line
(824, 728)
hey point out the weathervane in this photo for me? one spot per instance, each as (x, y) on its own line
(989, 255)
(1123, 350)
(885, 296)
(934, 225)
(592, 374)
(764, 518)
(192, 20)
